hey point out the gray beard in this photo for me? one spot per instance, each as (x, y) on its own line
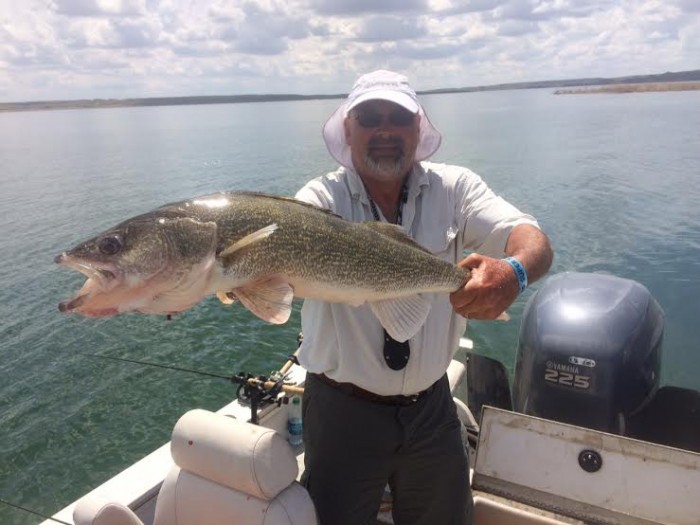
(386, 168)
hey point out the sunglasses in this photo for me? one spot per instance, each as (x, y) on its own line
(396, 354)
(399, 119)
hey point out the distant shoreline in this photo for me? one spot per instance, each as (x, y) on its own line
(632, 88)
(671, 80)
(149, 102)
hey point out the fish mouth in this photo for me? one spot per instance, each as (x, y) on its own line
(102, 274)
(101, 277)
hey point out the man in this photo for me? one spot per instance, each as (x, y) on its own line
(377, 411)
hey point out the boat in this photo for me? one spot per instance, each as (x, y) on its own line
(584, 434)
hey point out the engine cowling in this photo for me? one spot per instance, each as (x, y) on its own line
(589, 351)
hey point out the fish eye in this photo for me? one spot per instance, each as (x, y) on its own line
(110, 245)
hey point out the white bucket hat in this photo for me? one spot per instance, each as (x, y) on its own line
(382, 85)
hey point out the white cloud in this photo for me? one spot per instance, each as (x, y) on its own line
(358, 7)
(58, 49)
(99, 7)
(390, 28)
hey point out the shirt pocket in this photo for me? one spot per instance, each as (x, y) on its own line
(441, 240)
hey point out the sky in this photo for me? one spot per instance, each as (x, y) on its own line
(76, 49)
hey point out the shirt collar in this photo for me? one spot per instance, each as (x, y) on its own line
(416, 180)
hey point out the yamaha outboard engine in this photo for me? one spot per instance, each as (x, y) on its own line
(589, 351)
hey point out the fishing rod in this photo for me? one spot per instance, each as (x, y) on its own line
(252, 380)
(25, 509)
(256, 390)
(159, 365)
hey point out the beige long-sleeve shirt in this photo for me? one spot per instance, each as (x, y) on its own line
(449, 209)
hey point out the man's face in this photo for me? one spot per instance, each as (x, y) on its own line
(383, 137)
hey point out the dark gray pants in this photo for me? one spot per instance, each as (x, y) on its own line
(354, 447)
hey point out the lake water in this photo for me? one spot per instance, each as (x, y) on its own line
(613, 179)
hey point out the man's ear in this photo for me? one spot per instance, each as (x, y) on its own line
(346, 128)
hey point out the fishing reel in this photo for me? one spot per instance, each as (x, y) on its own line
(259, 391)
(252, 387)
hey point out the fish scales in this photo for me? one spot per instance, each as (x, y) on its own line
(312, 243)
(262, 250)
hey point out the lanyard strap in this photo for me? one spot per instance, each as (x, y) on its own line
(396, 354)
(399, 215)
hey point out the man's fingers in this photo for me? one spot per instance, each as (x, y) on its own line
(472, 261)
(485, 296)
(463, 297)
(503, 316)
(483, 316)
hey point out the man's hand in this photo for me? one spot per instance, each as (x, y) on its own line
(493, 287)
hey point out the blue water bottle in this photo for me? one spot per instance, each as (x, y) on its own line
(294, 427)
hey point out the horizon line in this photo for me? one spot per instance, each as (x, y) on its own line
(86, 103)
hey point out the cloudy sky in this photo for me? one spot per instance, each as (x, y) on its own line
(71, 49)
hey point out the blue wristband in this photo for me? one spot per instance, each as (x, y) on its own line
(520, 272)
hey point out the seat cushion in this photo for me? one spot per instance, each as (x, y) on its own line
(187, 499)
(94, 510)
(245, 457)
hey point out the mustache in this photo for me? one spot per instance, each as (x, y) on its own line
(386, 141)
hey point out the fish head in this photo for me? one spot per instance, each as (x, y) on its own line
(143, 264)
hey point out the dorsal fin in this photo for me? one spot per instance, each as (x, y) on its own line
(394, 231)
(287, 199)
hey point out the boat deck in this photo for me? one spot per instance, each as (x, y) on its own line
(641, 483)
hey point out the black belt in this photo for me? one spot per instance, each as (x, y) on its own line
(360, 393)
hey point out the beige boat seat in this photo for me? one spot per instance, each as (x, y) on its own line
(226, 471)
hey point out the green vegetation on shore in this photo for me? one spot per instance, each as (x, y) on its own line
(155, 101)
(671, 81)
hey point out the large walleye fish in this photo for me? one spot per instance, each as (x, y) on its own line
(262, 250)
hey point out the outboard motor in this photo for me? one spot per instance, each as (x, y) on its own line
(589, 351)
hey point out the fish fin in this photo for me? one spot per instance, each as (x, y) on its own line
(403, 317)
(226, 297)
(248, 240)
(270, 299)
(394, 231)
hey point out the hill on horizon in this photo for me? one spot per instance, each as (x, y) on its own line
(681, 76)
